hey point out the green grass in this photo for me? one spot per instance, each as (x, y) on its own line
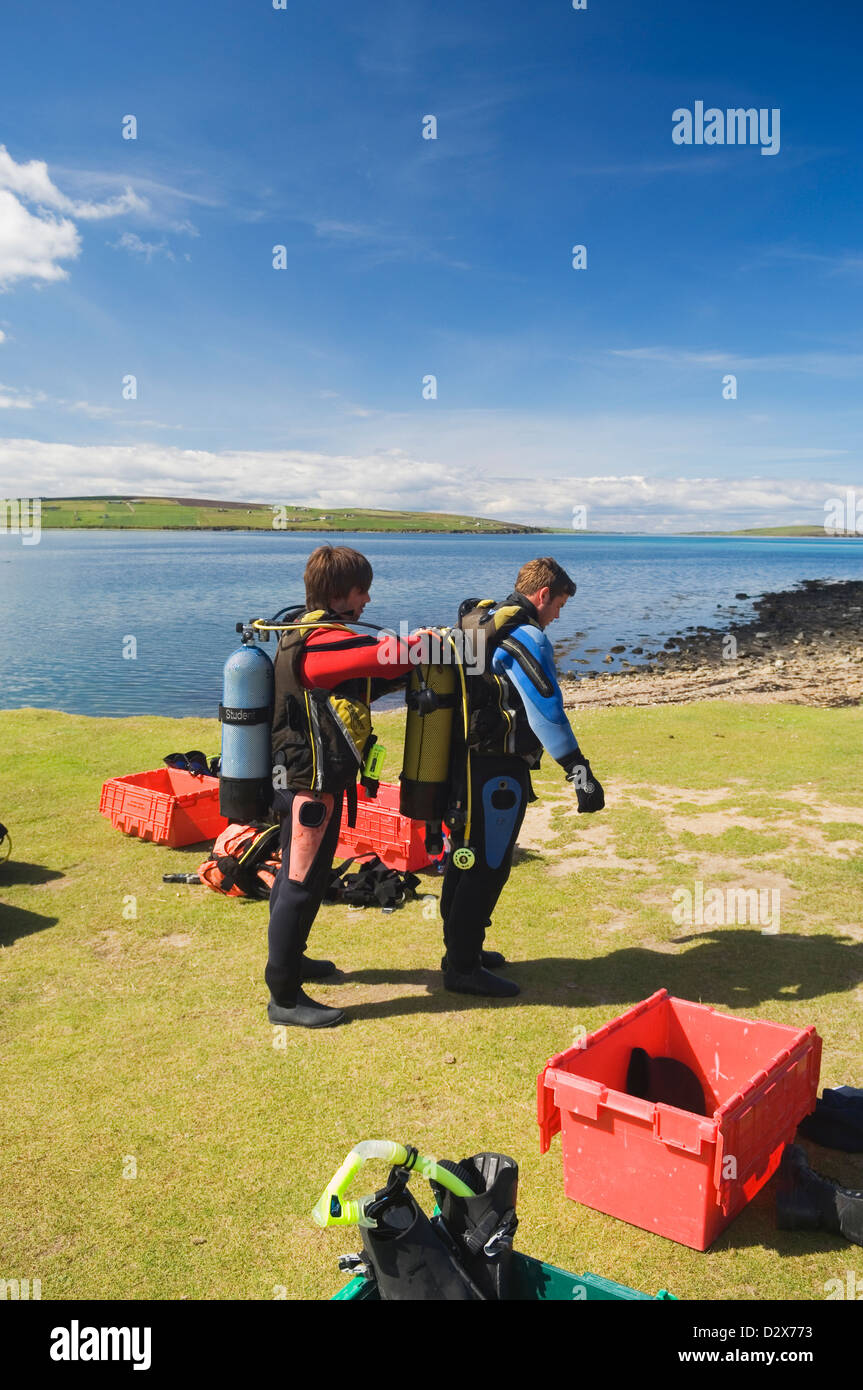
(134, 1023)
(169, 513)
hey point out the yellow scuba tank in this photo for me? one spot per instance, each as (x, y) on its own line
(436, 779)
(431, 705)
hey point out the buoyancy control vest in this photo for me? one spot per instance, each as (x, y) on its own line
(497, 723)
(461, 708)
(320, 737)
(243, 862)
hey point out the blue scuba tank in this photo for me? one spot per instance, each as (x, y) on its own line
(246, 715)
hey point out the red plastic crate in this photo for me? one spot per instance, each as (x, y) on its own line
(380, 829)
(169, 806)
(667, 1170)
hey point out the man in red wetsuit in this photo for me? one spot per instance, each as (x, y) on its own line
(326, 677)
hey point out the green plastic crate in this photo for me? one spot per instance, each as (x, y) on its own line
(534, 1280)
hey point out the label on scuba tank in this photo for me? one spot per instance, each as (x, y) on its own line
(374, 762)
(464, 858)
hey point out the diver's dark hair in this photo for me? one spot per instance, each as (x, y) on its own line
(542, 573)
(331, 572)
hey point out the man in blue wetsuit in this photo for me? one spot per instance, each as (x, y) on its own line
(516, 711)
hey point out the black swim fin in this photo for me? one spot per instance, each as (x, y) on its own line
(406, 1254)
(483, 1226)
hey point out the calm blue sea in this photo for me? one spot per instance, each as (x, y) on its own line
(70, 603)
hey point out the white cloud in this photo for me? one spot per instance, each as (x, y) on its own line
(846, 364)
(32, 182)
(845, 263)
(131, 242)
(31, 245)
(2, 336)
(381, 243)
(394, 479)
(35, 239)
(93, 412)
(160, 192)
(13, 402)
(115, 207)
(507, 445)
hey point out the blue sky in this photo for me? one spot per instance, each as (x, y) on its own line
(407, 257)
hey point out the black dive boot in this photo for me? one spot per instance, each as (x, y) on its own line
(806, 1201)
(409, 1259)
(492, 960)
(489, 960)
(304, 1013)
(483, 1226)
(477, 981)
(316, 969)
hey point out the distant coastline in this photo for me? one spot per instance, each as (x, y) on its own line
(131, 512)
(134, 513)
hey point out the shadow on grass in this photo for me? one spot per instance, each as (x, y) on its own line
(754, 1227)
(438, 1000)
(15, 872)
(199, 852)
(16, 922)
(737, 967)
(734, 967)
(520, 855)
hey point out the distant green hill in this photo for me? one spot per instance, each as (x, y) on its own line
(784, 531)
(195, 513)
(778, 531)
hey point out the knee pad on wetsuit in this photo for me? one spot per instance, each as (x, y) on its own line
(310, 817)
(501, 804)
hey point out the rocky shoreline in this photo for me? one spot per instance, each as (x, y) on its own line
(805, 646)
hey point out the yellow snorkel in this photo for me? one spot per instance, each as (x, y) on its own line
(332, 1208)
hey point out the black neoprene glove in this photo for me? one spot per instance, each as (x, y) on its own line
(588, 790)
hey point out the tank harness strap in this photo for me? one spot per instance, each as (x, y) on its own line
(361, 640)
(373, 884)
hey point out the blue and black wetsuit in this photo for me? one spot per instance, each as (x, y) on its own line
(526, 717)
(526, 659)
